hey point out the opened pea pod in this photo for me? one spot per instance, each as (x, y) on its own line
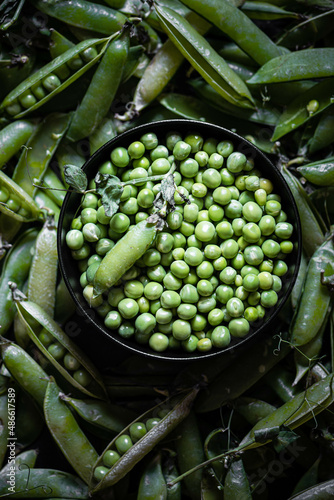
(16, 203)
(54, 77)
(73, 364)
(138, 439)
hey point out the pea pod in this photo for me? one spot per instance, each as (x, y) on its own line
(106, 416)
(231, 52)
(266, 11)
(300, 110)
(323, 135)
(152, 484)
(31, 313)
(319, 173)
(298, 286)
(205, 59)
(190, 439)
(312, 232)
(253, 409)
(59, 44)
(236, 484)
(309, 31)
(162, 68)
(170, 472)
(46, 204)
(82, 14)
(26, 458)
(64, 306)
(299, 65)
(237, 26)
(316, 297)
(43, 271)
(12, 138)
(16, 268)
(124, 254)
(144, 445)
(42, 483)
(39, 86)
(321, 491)
(69, 154)
(9, 227)
(69, 437)
(17, 203)
(29, 421)
(101, 91)
(306, 353)
(34, 161)
(24, 369)
(210, 490)
(280, 380)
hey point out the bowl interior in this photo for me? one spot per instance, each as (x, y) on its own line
(71, 203)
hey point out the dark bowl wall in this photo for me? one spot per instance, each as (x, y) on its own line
(71, 203)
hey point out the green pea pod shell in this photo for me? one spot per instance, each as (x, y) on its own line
(41, 146)
(299, 65)
(323, 135)
(152, 484)
(41, 482)
(101, 91)
(52, 68)
(148, 441)
(13, 137)
(315, 299)
(28, 209)
(31, 313)
(56, 190)
(24, 369)
(319, 173)
(124, 254)
(65, 430)
(16, 269)
(321, 491)
(238, 27)
(25, 458)
(213, 68)
(236, 484)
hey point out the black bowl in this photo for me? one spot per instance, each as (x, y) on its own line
(71, 273)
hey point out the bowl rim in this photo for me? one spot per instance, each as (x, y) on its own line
(177, 355)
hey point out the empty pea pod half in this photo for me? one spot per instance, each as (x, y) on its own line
(16, 203)
(138, 439)
(54, 77)
(60, 350)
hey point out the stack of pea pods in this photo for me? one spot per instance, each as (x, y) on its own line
(74, 74)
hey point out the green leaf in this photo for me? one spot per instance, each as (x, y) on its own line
(168, 190)
(299, 65)
(285, 438)
(111, 189)
(75, 178)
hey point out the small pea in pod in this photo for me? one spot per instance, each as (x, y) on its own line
(45, 83)
(57, 347)
(16, 203)
(121, 455)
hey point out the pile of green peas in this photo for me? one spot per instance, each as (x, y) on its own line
(213, 271)
(123, 444)
(65, 358)
(50, 82)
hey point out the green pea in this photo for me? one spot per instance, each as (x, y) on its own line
(222, 195)
(180, 269)
(186, 311)
(143, 304)
(210, 145)
(120, 157)
(164, 242)
(108, 168)
(128, 308)
(181, 329)
(51, 82)
(252, 183)
(206, 304)
(215, 316)
(163, 316)
(103, 246)
(267, 225)
(38, 91)
(269, 298)
(153, 291)
(204, 345)
(252, 212)
(235, 307)
(260, 196)
(151, 257)
(190, 344)
(110, 457)
(271, 248)
(212, 251)
(229, 248)
(113, 320)
(27, 100)
(283, 230)
(216, 212)
(253, 298)
(57, 351)
(199, 190)
(181, 150)
(145, 323)
(82, 377)
(280, 268)
(91, 232)
(126, 330)
(74, 239)
(70, 362)
(204, 231)
(225, 148)
(205, 269)
(100, 472)
(190, 212)
(253, 255)
(149, 140)
(129, 207)
(239, 327)
(220, 337)
(170, 299)
(178, 253)
(272, 207)
(160, 166)
(133, 289)
(228, 275)
(205, 288)
(171, 282)
(251, 282)
(158, 342)
(216, 161)
(286, 247)
(202, 158)
(159, 152)
(88, 215)
(233, 209)
(152, 422)
(251, 314)
(123, 443)
(156, 273)
(13, 203)
(189, 294)
(82, 253)
(167, 258)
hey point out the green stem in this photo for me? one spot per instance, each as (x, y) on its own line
(152, 178)
(208, 462)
